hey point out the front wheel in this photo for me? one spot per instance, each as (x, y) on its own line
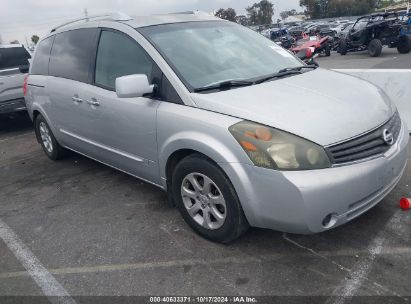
(207, 200)
(404, 44)
(327, 50)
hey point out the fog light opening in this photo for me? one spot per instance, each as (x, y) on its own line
(330, 221)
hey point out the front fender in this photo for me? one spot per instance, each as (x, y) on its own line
(186, 128)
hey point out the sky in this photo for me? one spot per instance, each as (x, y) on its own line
(20, 19)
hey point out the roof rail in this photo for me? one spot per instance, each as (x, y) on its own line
(190, 13)
(183, 13)
(116, 16)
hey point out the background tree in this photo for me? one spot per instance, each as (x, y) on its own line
(14, 42)
(35, 39)
(317, 9)
(227, 14)
(243, 20)
(261, 13)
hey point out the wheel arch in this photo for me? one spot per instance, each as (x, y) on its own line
(184, 144)
(36, 111)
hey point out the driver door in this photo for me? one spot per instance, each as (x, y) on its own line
(121, 131)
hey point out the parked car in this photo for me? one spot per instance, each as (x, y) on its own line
(14, 65)
(282, 37)
(373, 32)
(237, 130)
(322, 30)
(297, 32)
(318, 45)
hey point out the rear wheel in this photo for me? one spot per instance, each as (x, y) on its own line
(207, 200)
(404, 44)
(47, 140)
(375, 48)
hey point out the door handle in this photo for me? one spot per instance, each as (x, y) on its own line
(76, 99)
(93, 102)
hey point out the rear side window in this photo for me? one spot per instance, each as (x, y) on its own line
(13, 57)
(71, 54)
(118, 55)
(40, 65)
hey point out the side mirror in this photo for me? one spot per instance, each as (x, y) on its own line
(133, 86)
(24, 69)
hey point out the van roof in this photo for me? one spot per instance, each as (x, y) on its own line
(139, 21)
(143, 21)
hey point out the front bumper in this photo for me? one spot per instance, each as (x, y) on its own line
(14, 105)
(298, 202)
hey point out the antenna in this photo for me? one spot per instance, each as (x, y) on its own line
(86, 14)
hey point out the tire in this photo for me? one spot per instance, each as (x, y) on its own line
(343, 47)
(232, 222)
(375, 48)
(47, 140)
(327, 50)
(404, 44)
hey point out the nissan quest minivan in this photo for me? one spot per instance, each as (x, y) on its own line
(237, 130)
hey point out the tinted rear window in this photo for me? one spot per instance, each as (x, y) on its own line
(71, 54)
(41, 59)
(13, 57)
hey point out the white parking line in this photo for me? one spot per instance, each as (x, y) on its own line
(362, 268)
(48, 284)
(357, 277)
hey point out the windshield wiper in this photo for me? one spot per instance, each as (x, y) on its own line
(225, 85)
(285, 72)
(299, 68)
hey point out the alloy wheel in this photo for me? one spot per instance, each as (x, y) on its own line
(204, 201)
(46, 137)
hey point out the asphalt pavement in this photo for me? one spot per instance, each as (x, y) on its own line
(389, 59)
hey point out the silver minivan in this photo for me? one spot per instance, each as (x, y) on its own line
(237, 130)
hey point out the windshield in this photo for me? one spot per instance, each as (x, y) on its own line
(205, 53)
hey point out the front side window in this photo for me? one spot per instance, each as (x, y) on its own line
(119, 55)
(13, 57)
(205, 53)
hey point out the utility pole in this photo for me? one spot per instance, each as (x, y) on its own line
(86, 14)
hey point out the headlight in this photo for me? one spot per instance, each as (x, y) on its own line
(274, 149)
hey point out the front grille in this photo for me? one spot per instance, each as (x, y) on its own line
(365, 146)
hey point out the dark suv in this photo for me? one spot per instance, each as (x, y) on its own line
(373, 32)
(14, 66)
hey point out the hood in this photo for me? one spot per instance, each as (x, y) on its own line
(322, 106)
